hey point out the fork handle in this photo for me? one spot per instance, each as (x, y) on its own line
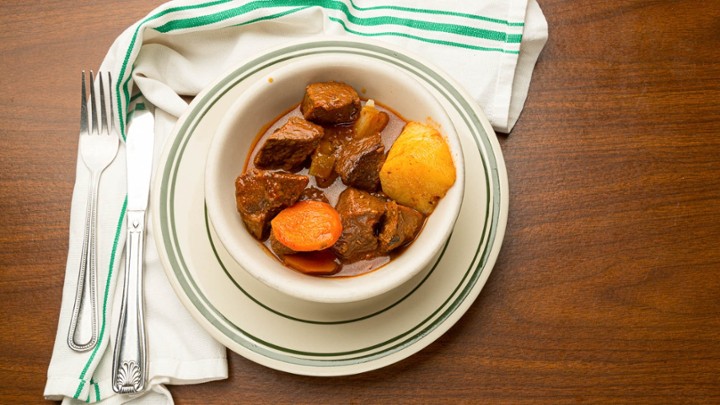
(83, 331)
(129, 371)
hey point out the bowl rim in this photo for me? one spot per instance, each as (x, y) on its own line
(336, 289)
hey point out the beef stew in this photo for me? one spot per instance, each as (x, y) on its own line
(330, 149)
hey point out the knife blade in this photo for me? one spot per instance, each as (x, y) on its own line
(129, 372)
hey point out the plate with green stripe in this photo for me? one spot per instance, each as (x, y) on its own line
(308, 338)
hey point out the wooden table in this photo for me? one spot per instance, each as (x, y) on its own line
(607, 288)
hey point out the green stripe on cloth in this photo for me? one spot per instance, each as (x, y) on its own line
(94, 388)
(463, 30)
(434, 41)
(440, 12)
(419, 24)
(271, 16)
(97, 391)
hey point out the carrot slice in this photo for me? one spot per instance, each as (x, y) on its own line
(307, 226)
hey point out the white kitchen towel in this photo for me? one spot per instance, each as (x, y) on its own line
(490, 47)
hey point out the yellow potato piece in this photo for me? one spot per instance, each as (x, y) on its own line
(419, 169)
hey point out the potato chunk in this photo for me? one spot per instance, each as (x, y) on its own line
(419, 168)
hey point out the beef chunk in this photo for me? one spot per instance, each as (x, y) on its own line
(330, 103)
(359, 162)
(313, 194)
(279, 249)
(289, 146)
(260, 195)
(400, 227)
(360, 213)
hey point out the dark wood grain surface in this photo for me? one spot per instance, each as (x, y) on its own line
(607, 288)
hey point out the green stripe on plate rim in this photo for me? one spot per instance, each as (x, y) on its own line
(275, 352)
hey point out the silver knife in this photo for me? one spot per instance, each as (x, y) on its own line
(129, 371)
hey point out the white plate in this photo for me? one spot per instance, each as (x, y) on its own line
(308, 338)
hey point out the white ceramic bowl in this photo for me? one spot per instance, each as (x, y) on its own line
(267, 99)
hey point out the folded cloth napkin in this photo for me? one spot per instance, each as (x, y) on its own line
(489, 47)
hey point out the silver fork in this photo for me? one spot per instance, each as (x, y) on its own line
(98, 146)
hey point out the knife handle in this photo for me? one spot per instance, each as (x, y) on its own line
(130, 356)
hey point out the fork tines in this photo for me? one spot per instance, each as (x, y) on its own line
(94, 121)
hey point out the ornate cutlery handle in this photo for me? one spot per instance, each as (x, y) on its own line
(130, 357)
(83, 332)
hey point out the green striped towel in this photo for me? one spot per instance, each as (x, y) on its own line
(489, 47)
